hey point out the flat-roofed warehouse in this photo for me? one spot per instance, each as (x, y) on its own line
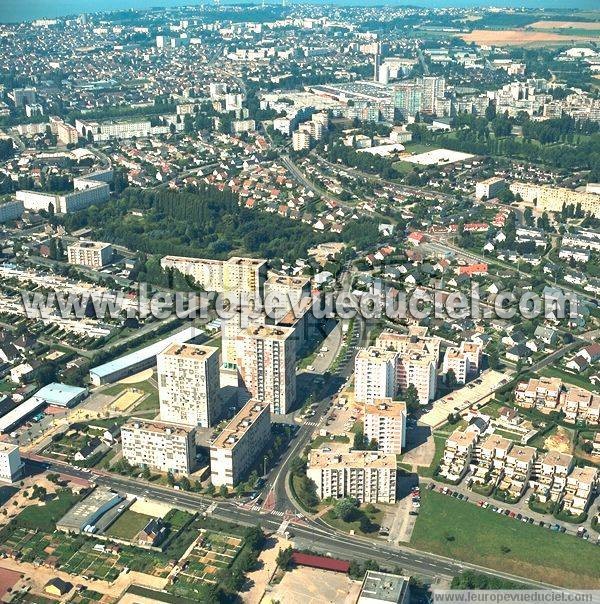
(61, 395)
(139, 360)
(89, 510)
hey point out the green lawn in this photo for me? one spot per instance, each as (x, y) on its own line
(321, 440)
(440, 443)
(44, 517)
(403, 167)
(464, 531)
(6, 386)
(417, 148)
(128, 525)
(373, 513)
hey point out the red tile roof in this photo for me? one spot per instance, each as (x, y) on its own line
(340, 566)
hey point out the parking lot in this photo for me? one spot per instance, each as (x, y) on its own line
(477, 392)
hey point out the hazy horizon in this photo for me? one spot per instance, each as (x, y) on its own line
(16, 10)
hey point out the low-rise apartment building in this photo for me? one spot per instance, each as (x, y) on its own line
(518, 470)
(237, 448)
(458, 454)
(11, 210)
(579, 489)
(541, 393)
(94, 254)
(489, 188)
(550, 475)
(490, 458)
(385, 423)
(161, 446)
(581, 405)
(368, 476)
(237, 275)
(554, 199)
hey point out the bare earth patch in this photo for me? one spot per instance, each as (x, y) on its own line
(560, 441)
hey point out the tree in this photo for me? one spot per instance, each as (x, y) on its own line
(210, 489)
(494, 358)
(223, 491)
(170, 479)
(184, 484)
(255, 538)
(411, 397)
(284, 558)
(451, 379)
(359, 438)
(345, 509)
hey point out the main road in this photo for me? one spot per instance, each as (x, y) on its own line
(314, 535)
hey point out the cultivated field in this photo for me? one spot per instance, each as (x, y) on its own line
(592, 26)
(519, 37)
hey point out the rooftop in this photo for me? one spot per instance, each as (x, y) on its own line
(86, 509)
(587, 474)
(462, 438)
(144, 353)
(348, 458)
(89, 245)
(191, 351)
(269, 332)
(555, 458)
(386, 407)
(495, 441)
(373, 354)
(157, 427)
(287, 280)
(240, 424)
(59, 394)
(383, 587)
(526, 454)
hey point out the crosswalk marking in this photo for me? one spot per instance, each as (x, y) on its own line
(311, 424)
(277, 513)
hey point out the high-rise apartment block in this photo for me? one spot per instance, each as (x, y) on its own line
(417, 360)
(375, 374)
(301, 140)
(286, 292)
(237, 448)
(464, 361)
(236, 275)
(11, 465)
(385, 423)
(161, 446)
(434, 88)
(267, 365)
(188, 385)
